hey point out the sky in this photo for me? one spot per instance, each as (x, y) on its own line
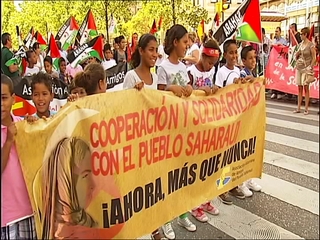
(17, 2)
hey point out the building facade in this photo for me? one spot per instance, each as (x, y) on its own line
(302, 12)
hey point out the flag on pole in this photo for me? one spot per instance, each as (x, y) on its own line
(160, 24)
(27, 41)
(153, 29)
(228, 27)
(112, 25)
(311, 35)
(88, 29)
(293, 48)
(67, 33)
(92, 48)
(250, 28)
(54, 53)
(200, 29)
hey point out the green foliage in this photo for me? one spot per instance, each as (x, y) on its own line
(133, 16)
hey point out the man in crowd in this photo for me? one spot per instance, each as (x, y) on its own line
(277, 41)
(6, 54)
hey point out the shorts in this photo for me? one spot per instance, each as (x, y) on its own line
(24, 229)
(301, 78)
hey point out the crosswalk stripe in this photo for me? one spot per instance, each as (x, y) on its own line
(293, 106)
(289, 113)
(242, 224)
(292, 125)
(291, 193)
(292, 164)
(292, 142)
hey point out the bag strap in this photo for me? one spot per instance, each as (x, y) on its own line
(225, 81)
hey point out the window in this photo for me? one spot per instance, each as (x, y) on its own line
(301, 19)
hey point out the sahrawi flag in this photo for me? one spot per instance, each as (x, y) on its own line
(19, 58)
(27, 41)
(113, 25)
(37, 37)
(68, 33)
(54, 53)
(231, 24)
(85, 51)
(293, 48)
(88, 30)
(250, 28)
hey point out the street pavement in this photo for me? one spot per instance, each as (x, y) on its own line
(288, 206)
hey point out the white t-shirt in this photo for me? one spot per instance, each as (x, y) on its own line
(132, 78)
(194, 47)
(161, 52)
(31, 71)
(108, 64)
(40, 63)
(172, 74)
(225, 76)
(201, 79)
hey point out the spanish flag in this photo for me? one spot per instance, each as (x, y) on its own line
(200, 29)
(22, 107)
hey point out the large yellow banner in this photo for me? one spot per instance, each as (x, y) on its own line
(121, 164)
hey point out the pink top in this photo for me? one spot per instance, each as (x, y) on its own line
(15, 204)
(73, 71)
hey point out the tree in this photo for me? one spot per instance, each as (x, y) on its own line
(185, 14)
(133, 16)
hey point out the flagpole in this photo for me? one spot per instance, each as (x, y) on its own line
(106, 3)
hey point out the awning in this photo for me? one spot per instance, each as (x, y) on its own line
(272, 16)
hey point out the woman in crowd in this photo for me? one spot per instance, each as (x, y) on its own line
(306, 60)
(193, 52)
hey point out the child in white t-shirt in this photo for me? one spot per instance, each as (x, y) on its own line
(32, 60)
(201, 77)
(143, 58)
(229, 74)
(173, 76)
(108, 61)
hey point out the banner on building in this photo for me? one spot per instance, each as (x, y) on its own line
(102, 167)
(281, 76)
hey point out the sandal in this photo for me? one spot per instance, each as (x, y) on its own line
(296, 111)
(306, 112)
(156, 235)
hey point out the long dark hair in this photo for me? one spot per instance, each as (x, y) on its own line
(176, 32)
(143, 43)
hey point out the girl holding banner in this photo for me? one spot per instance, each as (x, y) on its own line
(143, 59)
(173, 76)
(201, 78)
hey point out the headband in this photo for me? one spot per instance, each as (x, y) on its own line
(210, 52)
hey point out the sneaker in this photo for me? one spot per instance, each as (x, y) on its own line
(237, 193)
(209, 208)
(168, 231)
(245, 190)
(273, 96)
(156, 235)
(199, 215)
(253, 185)
(187, 224)
(224, 198)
